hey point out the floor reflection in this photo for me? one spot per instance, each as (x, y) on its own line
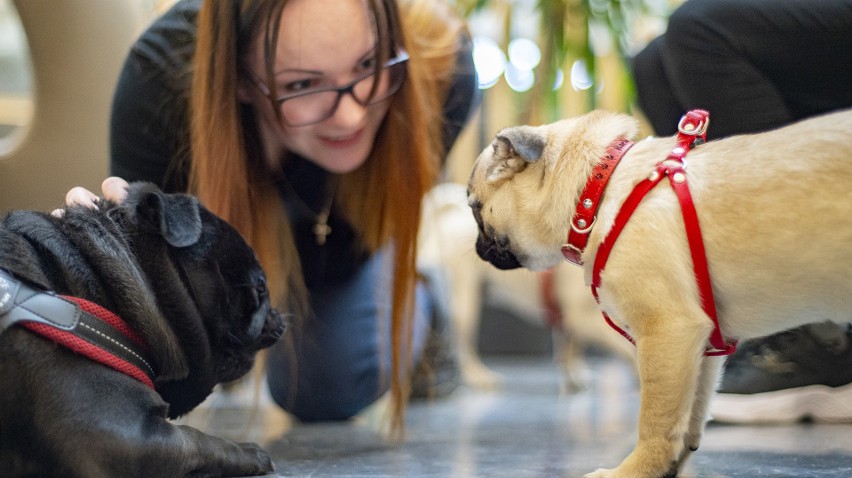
(525, 429)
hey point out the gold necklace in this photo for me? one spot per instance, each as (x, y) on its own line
(321, 229)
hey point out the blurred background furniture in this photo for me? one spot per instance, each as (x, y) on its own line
(76, 49)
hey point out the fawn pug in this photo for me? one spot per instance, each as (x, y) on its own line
(775, 213)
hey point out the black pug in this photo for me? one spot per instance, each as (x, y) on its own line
(151, 303)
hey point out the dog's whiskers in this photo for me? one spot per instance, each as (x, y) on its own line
(234, 339)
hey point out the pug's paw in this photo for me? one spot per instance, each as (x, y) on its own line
(479, 376)
(633, 467)
(601, 473)
(261, 462)
(615, 473)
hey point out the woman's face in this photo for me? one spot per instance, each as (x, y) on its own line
(322, 43)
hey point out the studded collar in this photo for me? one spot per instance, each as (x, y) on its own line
(590, 198)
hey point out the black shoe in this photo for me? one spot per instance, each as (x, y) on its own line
(802, 374)
(438, 373)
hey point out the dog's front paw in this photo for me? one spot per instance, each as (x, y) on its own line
(601, 473)
(480, 377)
(615, 473)
(691, 442)
(263, 463)
(639, 465)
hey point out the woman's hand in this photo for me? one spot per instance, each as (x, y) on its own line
(113, 189)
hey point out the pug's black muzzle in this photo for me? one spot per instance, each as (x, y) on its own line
(496, 252)
(273, 328)
(491, 247)
(266, 327)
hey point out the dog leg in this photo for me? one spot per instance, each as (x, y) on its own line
(164, 450)
(582, 328)
(707, 381)
(670, 354)
(446, 233)
(120, 442)
(466, 310)
(207, 455)
(568, 353)
(568, 344)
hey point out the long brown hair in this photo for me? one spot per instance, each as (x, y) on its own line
(382, 199)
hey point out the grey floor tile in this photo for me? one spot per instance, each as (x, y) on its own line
(528, 429)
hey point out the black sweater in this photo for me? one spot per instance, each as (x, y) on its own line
(149, 136)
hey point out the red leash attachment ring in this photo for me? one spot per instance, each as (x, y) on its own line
(691, 132)
(694, 124)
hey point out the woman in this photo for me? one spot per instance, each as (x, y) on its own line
(315, 127)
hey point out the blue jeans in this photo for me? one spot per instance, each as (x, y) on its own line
(341, 361)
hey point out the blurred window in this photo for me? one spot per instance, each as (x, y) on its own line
(16, 78)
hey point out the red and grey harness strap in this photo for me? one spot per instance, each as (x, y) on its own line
(692, 131)
(77, 324)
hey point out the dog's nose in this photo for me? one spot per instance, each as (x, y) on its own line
(273, 328)
(497, 253)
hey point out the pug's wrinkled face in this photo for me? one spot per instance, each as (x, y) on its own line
(508, 193)
(220, 310)
(230, 290)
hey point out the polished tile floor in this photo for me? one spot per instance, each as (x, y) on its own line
(525, 429)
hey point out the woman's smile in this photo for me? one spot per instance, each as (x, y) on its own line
(342, 141)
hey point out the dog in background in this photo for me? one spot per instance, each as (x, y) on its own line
(183, 304)
(776, 224)
(447, 234)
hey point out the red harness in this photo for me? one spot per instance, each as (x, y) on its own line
(77, 324)
(692, 131)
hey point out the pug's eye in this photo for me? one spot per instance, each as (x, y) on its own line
(261, 292)
(259, 310)
(255, 296)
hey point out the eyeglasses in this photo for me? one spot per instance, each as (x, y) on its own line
(314, 105)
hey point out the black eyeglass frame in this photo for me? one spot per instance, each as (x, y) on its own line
(401, 57)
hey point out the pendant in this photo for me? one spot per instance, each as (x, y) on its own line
(321, 228)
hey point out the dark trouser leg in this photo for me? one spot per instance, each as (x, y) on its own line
(342, 362)
(754, 64)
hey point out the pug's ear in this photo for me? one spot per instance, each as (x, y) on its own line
(514, 148)
(175, 216)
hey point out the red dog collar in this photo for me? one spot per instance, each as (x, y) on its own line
(77, 324)
(590, 198)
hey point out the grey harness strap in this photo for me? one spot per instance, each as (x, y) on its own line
(20, 302)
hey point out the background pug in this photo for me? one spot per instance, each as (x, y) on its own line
(189, 286)
(776, 219)
(447, 234)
